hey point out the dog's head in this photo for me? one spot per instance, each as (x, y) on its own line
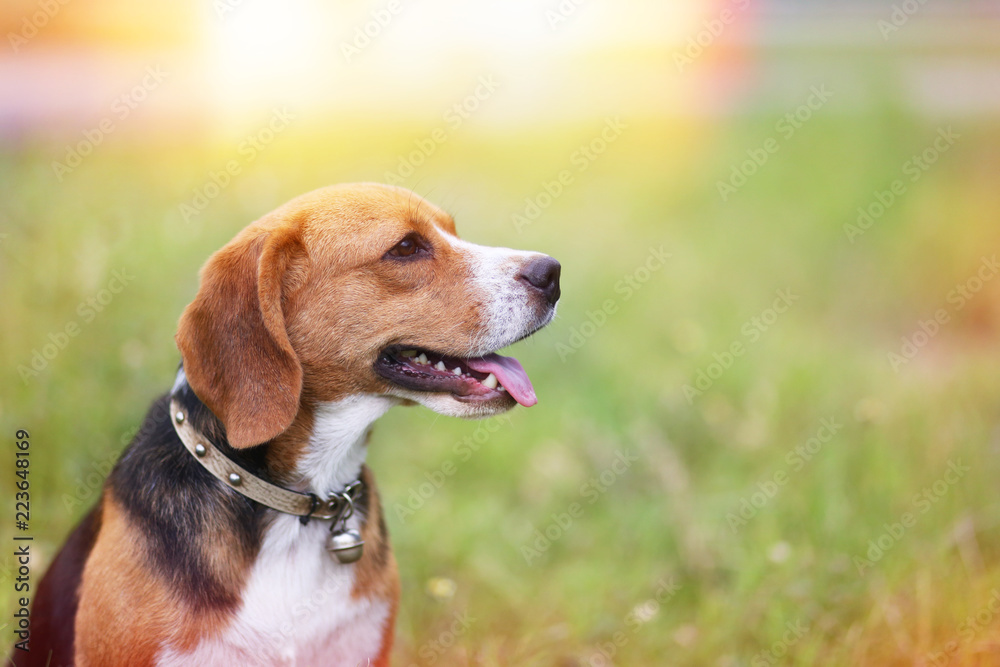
(360, 289)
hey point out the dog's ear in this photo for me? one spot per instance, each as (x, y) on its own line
(233, 337)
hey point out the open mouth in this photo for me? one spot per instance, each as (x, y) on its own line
(472, 380)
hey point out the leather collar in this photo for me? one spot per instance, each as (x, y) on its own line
(305, 505)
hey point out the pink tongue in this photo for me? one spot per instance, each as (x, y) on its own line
(510, 374)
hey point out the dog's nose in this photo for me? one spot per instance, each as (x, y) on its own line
(542, 273)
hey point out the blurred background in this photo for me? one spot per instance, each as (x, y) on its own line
(768, 421)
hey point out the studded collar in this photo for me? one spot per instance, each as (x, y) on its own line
(304, 505)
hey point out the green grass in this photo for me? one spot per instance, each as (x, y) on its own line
(664, 518)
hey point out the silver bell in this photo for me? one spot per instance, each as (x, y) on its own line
(346, 545)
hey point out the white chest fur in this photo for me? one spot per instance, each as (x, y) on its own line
(297, 607)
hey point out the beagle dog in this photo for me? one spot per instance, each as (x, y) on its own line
(241, 525)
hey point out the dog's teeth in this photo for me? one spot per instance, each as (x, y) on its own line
(457, 370)
(422, 359)
(408, 353)
(490, 381)
(440, 366)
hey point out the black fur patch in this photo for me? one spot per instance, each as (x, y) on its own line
(176, 502)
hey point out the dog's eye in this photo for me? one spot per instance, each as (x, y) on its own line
(409, 246)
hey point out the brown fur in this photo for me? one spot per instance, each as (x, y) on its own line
(285, 320)
(125, 614)
(377, 576)
(316, 257)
